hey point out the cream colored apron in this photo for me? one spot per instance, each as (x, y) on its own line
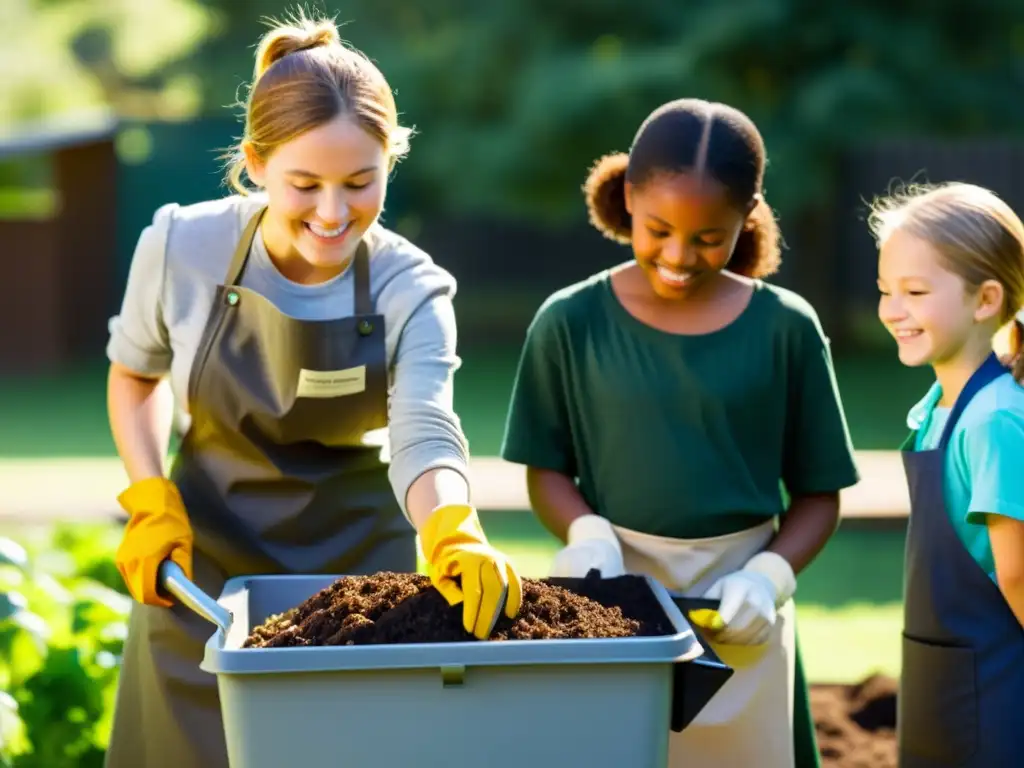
(749, 722)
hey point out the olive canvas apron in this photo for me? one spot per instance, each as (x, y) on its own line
(962, 677)
(276, 479)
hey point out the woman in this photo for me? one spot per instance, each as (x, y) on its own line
(291, 324)
(660, 404)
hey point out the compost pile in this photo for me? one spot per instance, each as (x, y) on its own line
(389, 607)
(856, 724)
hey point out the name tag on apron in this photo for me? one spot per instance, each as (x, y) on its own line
(350, 381)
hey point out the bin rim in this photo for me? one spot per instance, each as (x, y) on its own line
(223, 653)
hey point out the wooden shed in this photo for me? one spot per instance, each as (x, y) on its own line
(58, 268)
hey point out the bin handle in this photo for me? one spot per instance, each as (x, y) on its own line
(173, 579)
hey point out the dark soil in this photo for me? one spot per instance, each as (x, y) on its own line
(856, 724)
(404, 608)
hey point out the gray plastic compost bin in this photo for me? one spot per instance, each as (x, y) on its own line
(595, 702)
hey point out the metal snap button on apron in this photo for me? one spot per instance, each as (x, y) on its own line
(232, 298)
(365, 327)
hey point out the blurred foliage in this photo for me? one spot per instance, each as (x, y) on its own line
(63, 620)
(70, 56)
(512, 101)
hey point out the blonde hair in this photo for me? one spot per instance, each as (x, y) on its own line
(304, 77)
(977, 235)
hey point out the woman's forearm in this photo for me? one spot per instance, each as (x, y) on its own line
(556, 500)
(806, 528)
(140, 422)
(433, 489)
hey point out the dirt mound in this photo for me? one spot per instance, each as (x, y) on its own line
(404, 608)
(856, 724)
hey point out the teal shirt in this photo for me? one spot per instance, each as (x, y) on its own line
(984, 464)
(684, 436)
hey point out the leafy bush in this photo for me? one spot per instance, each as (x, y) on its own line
(63, 620)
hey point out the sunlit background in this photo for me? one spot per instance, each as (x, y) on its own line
(110, 108)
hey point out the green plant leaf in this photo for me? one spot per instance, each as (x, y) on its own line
(107, 604)
(34, 625)
(12, 553)
(63, 623)
(10, 721)
(11, 603)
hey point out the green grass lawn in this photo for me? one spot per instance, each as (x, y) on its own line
(65, 415)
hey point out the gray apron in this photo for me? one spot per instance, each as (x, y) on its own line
(962, 679)
(273, 483)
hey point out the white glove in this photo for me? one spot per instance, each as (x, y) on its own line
(591, 543)
(750, 597)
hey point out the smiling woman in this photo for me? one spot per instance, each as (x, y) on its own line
(291, 324)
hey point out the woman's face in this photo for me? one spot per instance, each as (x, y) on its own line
(685, 228)
(325, 188)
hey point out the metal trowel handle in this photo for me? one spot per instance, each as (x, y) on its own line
(174, 581)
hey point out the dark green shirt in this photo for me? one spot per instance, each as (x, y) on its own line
(676, 435)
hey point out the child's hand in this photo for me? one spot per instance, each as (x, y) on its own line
(592, 544)
(749, 598)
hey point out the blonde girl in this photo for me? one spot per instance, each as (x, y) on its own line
(951, 274)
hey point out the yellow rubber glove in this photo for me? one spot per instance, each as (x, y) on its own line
(158, 529)
(455, 547)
